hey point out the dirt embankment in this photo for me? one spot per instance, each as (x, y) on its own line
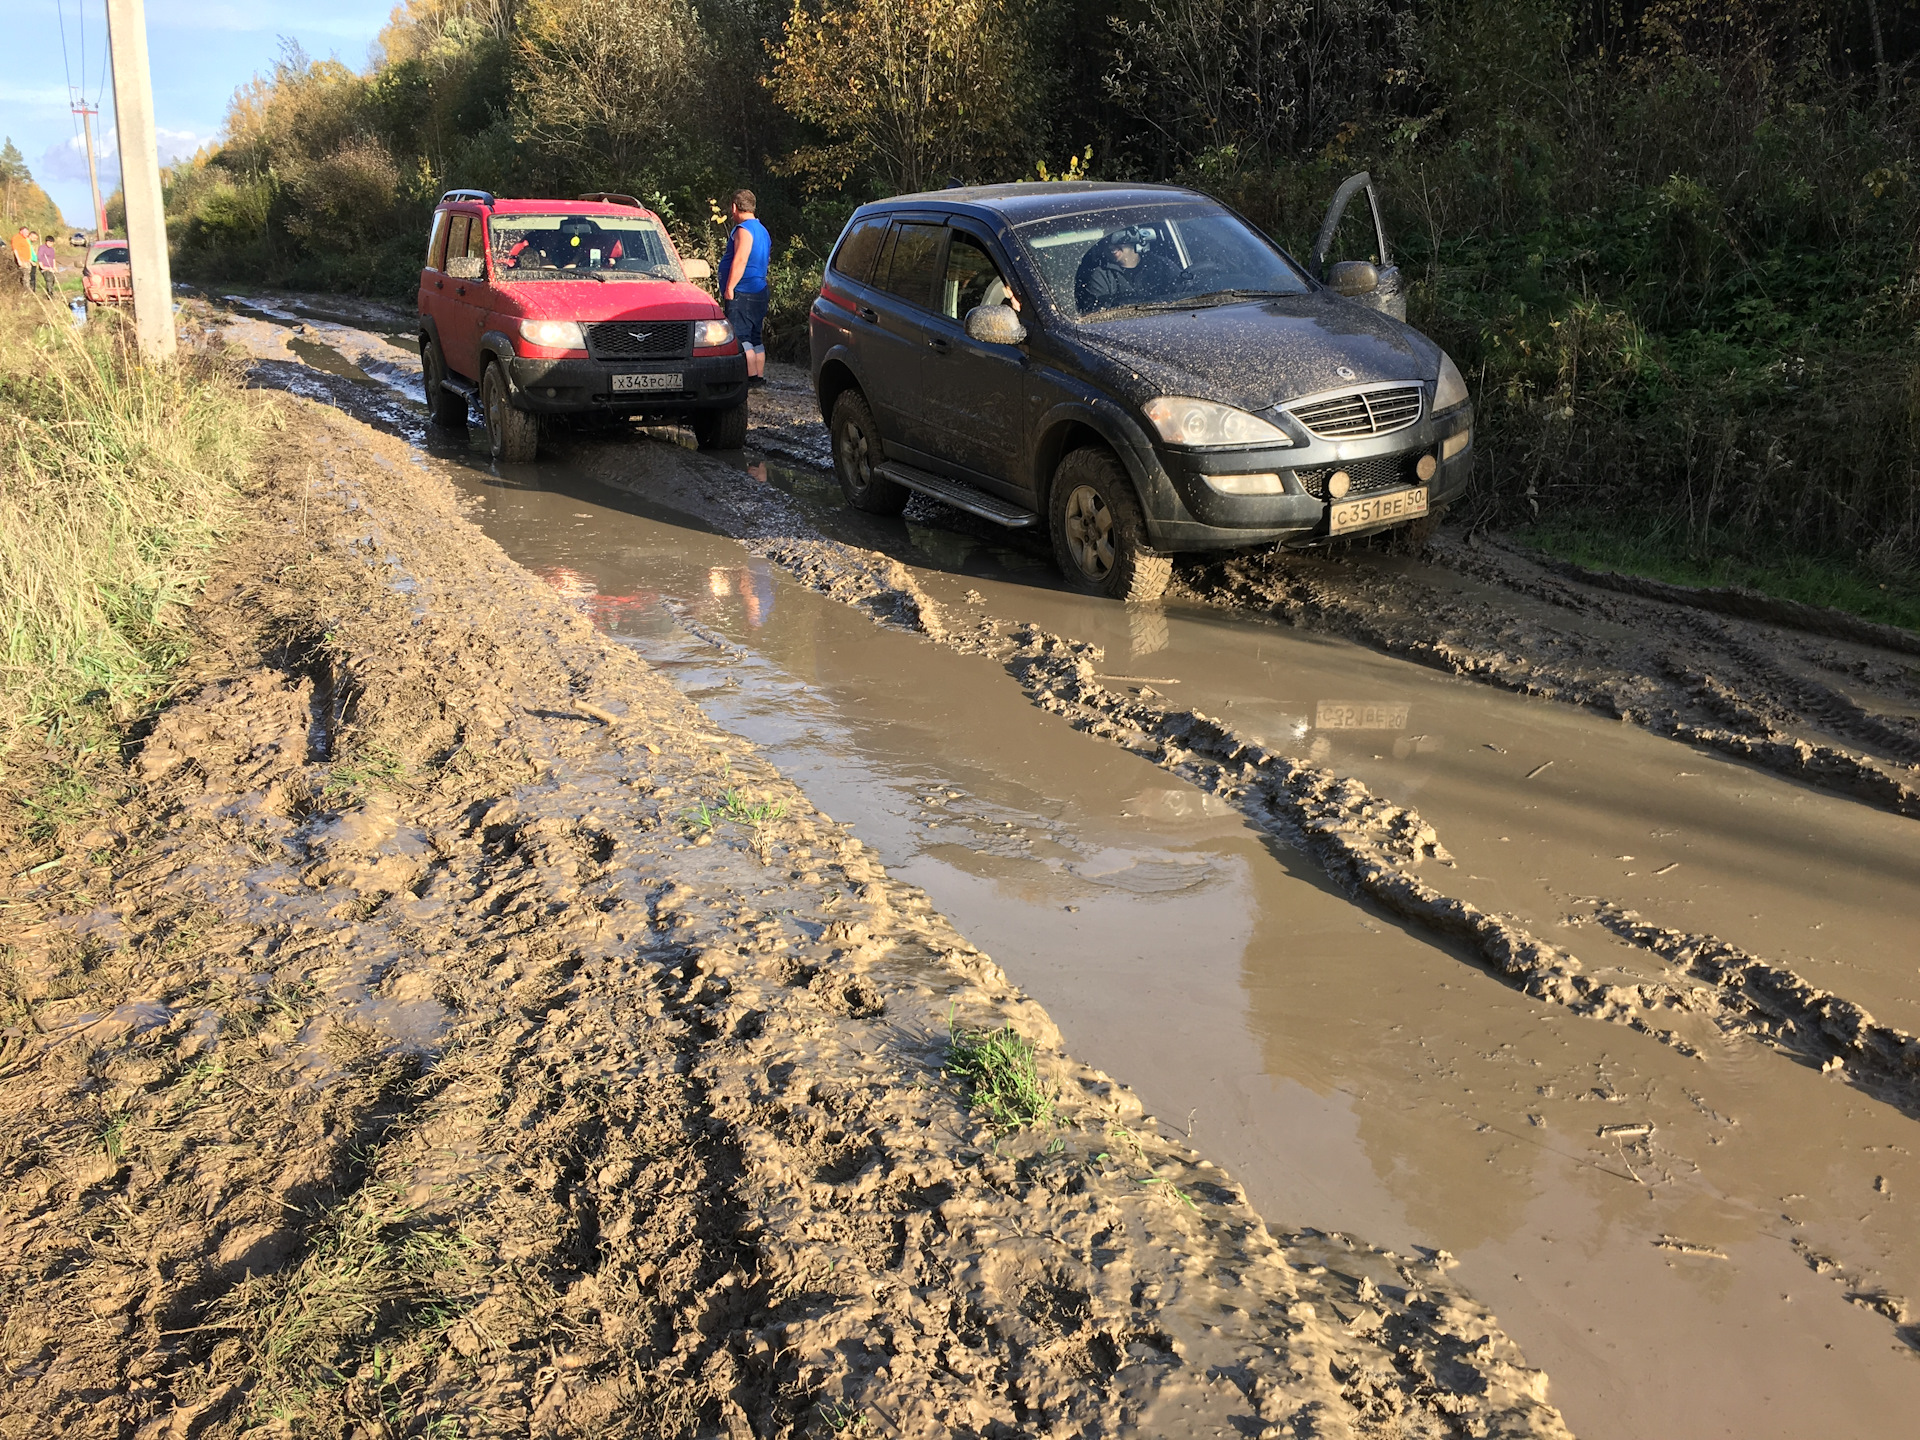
(450, 1031)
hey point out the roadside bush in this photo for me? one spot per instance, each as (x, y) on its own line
(116, 478)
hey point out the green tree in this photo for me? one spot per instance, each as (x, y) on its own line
(918, 90)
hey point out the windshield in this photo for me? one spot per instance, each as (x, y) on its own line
(111, 255)
(610, 247)
(1150, 257)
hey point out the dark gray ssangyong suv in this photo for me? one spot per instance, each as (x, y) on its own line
(1136, 367)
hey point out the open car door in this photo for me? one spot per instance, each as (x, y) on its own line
(1376, 283)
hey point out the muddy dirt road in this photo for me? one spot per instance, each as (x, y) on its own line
(1467, 904)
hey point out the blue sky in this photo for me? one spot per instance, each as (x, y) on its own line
(202, 51)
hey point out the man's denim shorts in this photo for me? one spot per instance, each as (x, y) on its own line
(746, 313)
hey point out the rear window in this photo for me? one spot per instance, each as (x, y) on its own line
(859, 248)
(437, 243)
(560, 247)
(911, 263)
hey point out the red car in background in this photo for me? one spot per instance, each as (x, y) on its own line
(545, 308)
(107, 276)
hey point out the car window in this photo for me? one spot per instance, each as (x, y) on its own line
(457, 224)
(1169, 254)
(971, 278)
(110, 255)
(437, 243)
(477, 239)
(911, 262)
(860, 247)
(533, 248)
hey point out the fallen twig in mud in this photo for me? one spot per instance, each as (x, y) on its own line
(476, 1095)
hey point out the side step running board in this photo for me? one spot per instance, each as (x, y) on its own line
(460, 387)
(960, 495)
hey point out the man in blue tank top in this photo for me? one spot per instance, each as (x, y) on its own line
(743, 281)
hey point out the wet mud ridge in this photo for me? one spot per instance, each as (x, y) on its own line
(1809, 694)
(451, 1030)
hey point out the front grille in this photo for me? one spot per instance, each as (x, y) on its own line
(1364, 412)
(640, 339)
(1369, 476)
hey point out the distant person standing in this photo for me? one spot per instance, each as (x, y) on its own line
(49, 262)
(743, 281)
(21, 244)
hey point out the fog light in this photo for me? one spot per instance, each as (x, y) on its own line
(1339, 483)
(1454, 444)
(1426, 467)
(1267, 484)
(551, 392)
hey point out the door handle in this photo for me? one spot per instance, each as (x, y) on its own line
(869, 314)
(462, 290)
(939, 345)
(439, 284)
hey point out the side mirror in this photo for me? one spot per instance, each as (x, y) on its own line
(1354, 277)
(995, 325)
(696, 269)
(466, 267)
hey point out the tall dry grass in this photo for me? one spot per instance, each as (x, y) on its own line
(115, 479)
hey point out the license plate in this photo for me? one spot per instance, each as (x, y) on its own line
(673, 382)
(1396, 505)
(1360, 715)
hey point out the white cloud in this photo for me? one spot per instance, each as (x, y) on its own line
(11, 94)
(68, 160)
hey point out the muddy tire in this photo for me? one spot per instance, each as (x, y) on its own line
(856, 450)
(1099, 534)
(721, 429)
(514, 434)
(444, 407)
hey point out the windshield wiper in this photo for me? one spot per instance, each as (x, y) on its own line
(1188, 302)
(1225, 297)
(557, 270)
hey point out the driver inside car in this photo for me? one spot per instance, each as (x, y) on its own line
(1124, 268)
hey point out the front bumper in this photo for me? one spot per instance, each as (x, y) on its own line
(1185, 512)
(573, 387)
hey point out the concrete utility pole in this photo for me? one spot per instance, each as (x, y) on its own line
(86, 114)
(140, 178)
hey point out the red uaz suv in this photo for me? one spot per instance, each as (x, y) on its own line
(570, 307)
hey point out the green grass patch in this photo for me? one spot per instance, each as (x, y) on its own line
(1889, 599)
(115, 479)
(371, 1298)
(1002, 1078)
(738, 808)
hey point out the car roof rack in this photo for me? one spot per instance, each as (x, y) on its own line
(607, 197)
(482, 196)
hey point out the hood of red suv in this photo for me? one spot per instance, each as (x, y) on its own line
(589, 300)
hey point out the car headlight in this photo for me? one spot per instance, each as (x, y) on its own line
(554, 334)
(1450, 390)
(711, 334)
(1203, 424)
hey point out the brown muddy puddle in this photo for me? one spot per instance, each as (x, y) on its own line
(1355, 1075)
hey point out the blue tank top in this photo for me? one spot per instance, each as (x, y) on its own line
(753, 280)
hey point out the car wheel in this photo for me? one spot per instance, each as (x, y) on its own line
(856, 450)
(444, 406)
(1099, 535)
(721, 429)
(514, 434)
